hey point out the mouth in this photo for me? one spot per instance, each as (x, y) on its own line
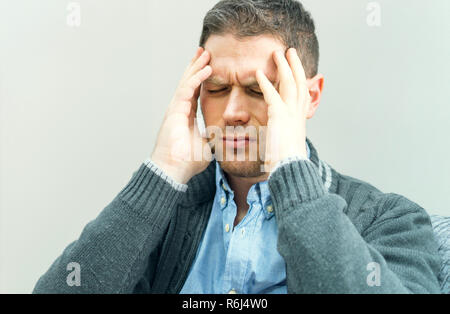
(238, 141)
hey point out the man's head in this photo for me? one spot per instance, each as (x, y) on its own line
(241, 36)
(286, 20)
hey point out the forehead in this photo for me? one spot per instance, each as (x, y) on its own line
(235, 60)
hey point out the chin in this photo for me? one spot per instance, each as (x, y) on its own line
(244, 169)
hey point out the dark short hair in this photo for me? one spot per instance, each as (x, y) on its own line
(286, 20)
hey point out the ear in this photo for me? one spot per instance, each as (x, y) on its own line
(315, 86)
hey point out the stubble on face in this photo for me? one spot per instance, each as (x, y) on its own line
(242, 169)
(250, 167)
(234, 62)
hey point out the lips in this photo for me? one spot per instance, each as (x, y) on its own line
(238, 138)
(238, 141)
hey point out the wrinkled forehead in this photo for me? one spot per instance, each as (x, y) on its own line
(235, 60)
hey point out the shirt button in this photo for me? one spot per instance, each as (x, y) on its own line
(223, 200)
(232, 291)
(227, 228)
(270, 208)
(243, 231)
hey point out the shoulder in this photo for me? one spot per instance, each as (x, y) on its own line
(367, 205)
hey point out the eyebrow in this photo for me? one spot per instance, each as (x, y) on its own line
(216, 80)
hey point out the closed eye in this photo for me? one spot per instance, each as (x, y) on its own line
(251, 91)
(216, 91)
(257, 93)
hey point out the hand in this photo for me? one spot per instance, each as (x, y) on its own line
(174, 149)
(286, 128)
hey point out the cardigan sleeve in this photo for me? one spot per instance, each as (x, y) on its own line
(325, 253)
(112, 251)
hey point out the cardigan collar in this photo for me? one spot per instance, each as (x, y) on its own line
(202, 187)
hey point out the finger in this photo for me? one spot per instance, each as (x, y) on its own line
(300, 79)
(271, 95)
(197, 54)
(193, 113)
(198, 78)
(191, 86)
(199, 64)
(288, 88)
(297, 69)
(184, 98)
(194, 103)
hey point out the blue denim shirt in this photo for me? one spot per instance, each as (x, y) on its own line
(240, 260)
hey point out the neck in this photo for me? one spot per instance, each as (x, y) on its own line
(241, 186)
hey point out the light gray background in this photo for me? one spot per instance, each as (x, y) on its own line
(80, 107)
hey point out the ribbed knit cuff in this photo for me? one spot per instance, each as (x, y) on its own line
(178, 186)
(150, 195)
(295, 179)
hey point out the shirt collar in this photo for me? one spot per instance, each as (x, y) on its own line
(221, 181)
(262, 188)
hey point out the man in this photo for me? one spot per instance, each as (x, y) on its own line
(283, 222)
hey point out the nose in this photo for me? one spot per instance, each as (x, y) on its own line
(236, 112)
